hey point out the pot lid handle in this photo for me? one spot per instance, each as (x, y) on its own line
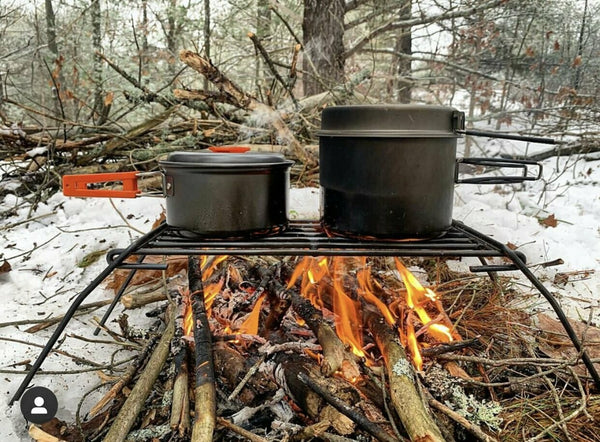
(229, 149)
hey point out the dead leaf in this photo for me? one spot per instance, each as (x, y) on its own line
(561, 279)
(511, 246)
(5, 267)
(162, 217)
(577, 61)
(556, 46)
(554, 342)
(549, 221)
(175, 265)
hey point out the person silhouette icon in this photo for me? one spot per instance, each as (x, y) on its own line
(39, 406)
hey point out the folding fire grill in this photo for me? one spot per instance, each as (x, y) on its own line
(307, 238)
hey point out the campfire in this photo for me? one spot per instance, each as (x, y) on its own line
(324, 348)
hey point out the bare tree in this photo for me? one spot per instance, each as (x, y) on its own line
(323, 41)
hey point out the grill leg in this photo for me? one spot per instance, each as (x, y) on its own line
(585, 357)
(117, 297)
(519, 260)
(73, 308)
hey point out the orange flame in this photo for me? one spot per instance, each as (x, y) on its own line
(250, 324)
(347, 318)
(210, 293)
(416, 298)
(366, 291)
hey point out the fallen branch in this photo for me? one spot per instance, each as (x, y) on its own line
(559, 151)
(241, 99)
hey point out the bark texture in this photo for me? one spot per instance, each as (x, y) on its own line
(323, 31)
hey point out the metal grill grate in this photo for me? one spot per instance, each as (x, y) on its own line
(309, 238)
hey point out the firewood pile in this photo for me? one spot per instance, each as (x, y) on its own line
(182, 119)
(339, 349)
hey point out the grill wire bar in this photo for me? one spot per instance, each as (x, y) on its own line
(307, 238)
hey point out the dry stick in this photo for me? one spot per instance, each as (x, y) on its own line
(405, 396)
(298, 429)
(247, 377)
(239, 430)
(334, 353)
(450, 347)
(57, 351)
(372, 428)
(40, 435)
(125, 379)
(180, 406)
(136, 300)
(241, 99)
(265, 55)
(475, 430)
(205, 394)
(573, 415)
(44, 323)
(135, 402)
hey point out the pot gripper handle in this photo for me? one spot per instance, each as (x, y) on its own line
(87, 185)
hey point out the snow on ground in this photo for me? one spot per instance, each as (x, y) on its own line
(44, 253)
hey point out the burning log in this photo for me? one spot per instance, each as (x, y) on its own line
(135, 402)
(407, 400)
(204, 393)
(335, 355)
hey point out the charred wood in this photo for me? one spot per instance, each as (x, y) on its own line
(320, 387)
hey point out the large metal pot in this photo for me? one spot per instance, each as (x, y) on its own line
(211, 194)
(388, 171)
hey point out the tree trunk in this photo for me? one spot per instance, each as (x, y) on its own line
(51, 28)
(206, 32)
(263, 32)
(404, 46)
(323, 29)
(580, 43)
(96, 12)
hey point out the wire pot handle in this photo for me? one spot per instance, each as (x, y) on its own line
(458, 124)
(497, 162)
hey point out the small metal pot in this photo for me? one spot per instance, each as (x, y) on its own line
(210, 194)
(388, 171)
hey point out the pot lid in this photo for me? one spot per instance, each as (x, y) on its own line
(394, 121)
(225, 160)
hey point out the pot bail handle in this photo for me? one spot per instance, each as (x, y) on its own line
(82, 185)
(497, 162)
